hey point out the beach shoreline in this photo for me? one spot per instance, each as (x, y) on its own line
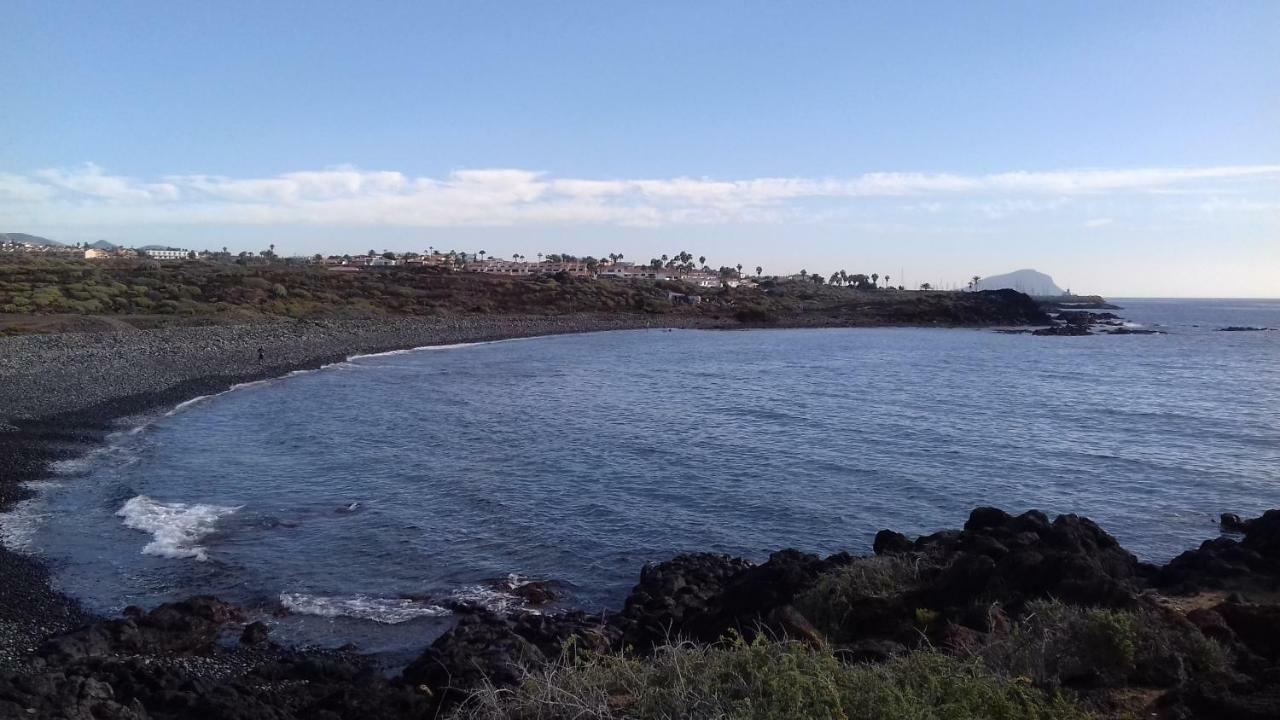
(62, 395)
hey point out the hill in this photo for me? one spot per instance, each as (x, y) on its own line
(1030, 282)
(32, 239)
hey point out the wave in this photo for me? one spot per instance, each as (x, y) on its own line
(176, 528)
(389, 611)
(186, 404)
(497, 597)
(18, 525)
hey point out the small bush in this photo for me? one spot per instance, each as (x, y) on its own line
(764, 680)
(834, 596)
(1057, 645)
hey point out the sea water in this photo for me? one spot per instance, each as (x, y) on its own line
(361, 502)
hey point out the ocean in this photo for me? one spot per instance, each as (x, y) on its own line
(361, 502)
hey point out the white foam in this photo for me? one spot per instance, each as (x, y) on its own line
(495, 599)
(176, 528)
(18, 525)
(186, 404)
(389, 611)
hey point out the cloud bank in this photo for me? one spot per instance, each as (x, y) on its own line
(89, 195)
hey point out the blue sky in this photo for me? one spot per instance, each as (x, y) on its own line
(1125, 148)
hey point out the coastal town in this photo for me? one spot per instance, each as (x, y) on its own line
(681, 266)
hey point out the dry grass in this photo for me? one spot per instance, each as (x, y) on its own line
(763, 680)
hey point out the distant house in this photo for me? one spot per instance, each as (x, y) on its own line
(166, 254)
(96, 254)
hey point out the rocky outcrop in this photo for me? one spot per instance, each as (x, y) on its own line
(190, 626)
(953, 589)
(675, 598)
(1251, 563)
(497, 648)
(1012, 559)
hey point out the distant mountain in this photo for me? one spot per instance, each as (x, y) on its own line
(102, 245)
(1030, 282)
(25, 238)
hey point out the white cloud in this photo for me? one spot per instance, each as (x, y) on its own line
(88, 195)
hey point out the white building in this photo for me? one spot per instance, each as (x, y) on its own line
(167, 254)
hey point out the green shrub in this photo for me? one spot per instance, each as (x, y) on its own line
(762, 680)
(1056, 645)
(832, 598)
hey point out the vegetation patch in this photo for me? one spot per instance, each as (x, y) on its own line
(1058, 645)
(765, 680)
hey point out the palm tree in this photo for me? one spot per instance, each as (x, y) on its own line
(702, 260)
(886, 282)
(974, 284)
(759, 270)
(739, 269)
(875, 278)
(804, 273)
(926, 286)
(482, 254)
(272, 246)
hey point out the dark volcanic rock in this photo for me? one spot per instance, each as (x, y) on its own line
(1011, 559)
(888, 541)
(755, 598)
(188, 626)
(1070, 330)
(676, 598)
(255, 633)
(499, 649)
(1231, 523)
(1223, 563)
(1257, 626)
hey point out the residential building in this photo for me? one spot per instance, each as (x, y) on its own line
(166, 254)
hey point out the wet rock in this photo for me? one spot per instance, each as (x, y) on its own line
(1252, 563)
(254, 633)
(191, 625)
(535, 592)
(1063, 330)
(1231, 523)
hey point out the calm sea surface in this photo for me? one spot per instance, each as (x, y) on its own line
(367, 496)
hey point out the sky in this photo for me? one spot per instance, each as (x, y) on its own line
(1128, 149)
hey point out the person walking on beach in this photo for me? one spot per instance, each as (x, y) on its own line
(261, 355)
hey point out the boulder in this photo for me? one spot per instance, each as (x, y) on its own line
(677, 598)
(888, 541)
(1251, 563)
(499, 649)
